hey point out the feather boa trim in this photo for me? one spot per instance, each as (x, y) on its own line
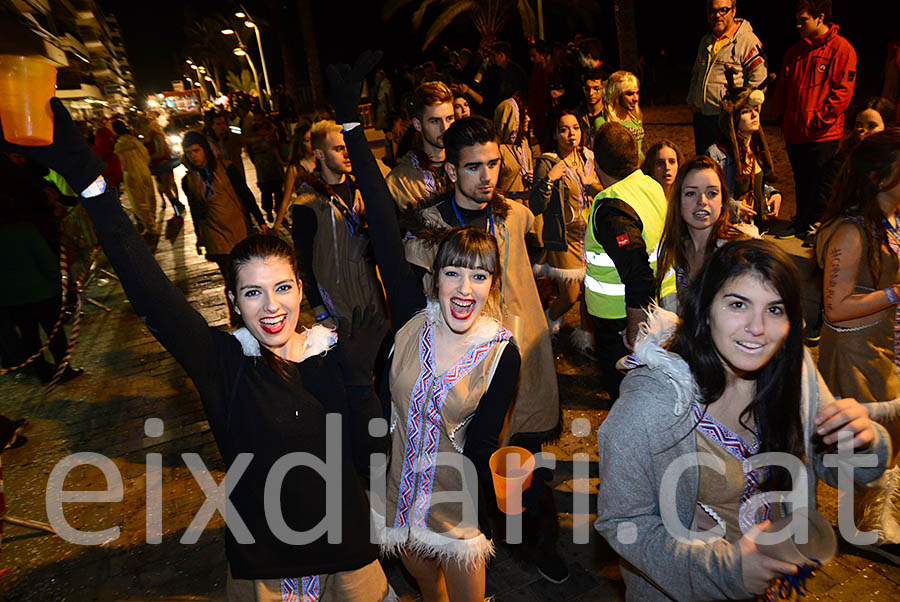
(648, 348)
(423, 542)
(319, 340)
(564, 275)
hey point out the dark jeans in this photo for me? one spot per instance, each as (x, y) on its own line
(270, 195)
(808, 161)
(31, 317)
(706, 130)
(609, 348)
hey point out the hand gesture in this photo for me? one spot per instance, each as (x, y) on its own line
(69, 154)
(757, 569)
(774, 205)
(745, 209)
(557, 171)
(846, 415)
(346, 84)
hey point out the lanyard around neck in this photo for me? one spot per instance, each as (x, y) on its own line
(460, 219)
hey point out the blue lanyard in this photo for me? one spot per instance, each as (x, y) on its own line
(890, 227)
(460, 219)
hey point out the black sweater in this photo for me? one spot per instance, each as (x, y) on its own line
(405, 298)
(253, 410)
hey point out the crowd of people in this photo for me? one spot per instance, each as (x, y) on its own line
(440, 276)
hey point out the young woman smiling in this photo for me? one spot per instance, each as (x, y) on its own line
(451, 377)
(267, 391)
(731, 381)
(565, 183)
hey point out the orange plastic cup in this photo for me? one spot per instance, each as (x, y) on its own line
(511, 469)
(26, 86)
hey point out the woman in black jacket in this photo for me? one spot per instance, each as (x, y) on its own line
(270, 394)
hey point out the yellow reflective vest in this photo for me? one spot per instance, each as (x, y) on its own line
(603, 289)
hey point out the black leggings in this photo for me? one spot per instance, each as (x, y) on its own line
(30, 317)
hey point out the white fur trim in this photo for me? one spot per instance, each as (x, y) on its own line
(319, 340)
(558, 274)
(249, 343)
(430, 544)
(653, 334)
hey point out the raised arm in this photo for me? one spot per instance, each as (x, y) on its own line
(403, 288)
(162, 307)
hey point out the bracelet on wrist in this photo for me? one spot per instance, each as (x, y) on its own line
(322, 316)
(891, 294)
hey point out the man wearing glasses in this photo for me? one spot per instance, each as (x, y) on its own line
(730, 44)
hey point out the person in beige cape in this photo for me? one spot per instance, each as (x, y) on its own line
(138, 182)
(418, 175)
(535, 415)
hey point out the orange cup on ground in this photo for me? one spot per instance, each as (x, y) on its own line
(26, 86)
(511, 469)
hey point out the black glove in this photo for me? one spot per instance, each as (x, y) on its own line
(346, 85)
(69, 154)
(360, 341)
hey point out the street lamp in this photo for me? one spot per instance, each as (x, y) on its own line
(262, 57)
(241, 50)
(199, 69)
(213, 82)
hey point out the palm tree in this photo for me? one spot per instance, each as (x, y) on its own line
(488, 16)
(207, 45)
(244, 81)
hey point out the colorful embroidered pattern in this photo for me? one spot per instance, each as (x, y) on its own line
(725, 438)
(894, 242)
(423, 428)
(305, 589)
(427, 176)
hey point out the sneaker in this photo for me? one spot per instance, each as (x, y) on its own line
(790, 231)
(813, 335)
(551, 567)
(583, 341)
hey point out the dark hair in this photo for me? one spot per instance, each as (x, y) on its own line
(814, 8)
(653, 152)
(261, 247)
(502, 48)
(615, 150)
(467, 131)
(119, 127)
(871, 163)
(469, 247)
(883, 107)
(297, 142)
(675, 234)
(559, 114)
(542, 47)
(775, 408)
(190, 139)
(592, 74)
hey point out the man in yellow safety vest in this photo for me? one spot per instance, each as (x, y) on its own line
(625, 224)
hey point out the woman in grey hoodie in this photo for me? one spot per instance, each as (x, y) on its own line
(731, 381)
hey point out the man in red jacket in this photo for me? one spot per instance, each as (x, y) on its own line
(815, 87)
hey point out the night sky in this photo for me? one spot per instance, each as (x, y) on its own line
(156, 44)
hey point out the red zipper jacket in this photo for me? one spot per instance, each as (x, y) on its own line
(815, 88)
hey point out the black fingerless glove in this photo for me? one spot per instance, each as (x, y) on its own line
(69, 154)
(346, 84)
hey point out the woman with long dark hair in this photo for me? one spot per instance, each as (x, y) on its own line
(565, 184)
(268, 391)
(301, 165)
(858, 248)
(730, 382)
(662, 162)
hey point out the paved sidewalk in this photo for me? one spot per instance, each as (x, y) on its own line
(130, 378)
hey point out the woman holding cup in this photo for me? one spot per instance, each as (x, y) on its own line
(729, 382)
(448, 385)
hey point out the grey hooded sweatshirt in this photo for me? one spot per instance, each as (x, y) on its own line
(648, 428)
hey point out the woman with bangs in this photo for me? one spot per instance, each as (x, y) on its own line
(696, 221)
(450, 379)
(662, 163)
